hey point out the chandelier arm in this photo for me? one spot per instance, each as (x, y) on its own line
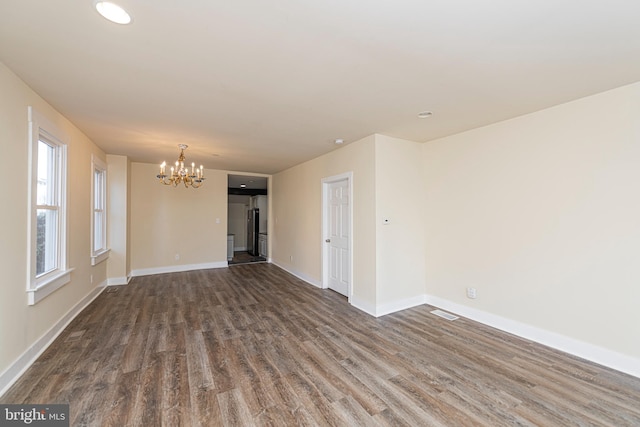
(163, 179)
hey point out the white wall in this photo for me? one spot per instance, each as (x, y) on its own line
(25, 329)
(541, 214)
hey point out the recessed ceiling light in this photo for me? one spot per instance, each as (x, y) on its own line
(243, 185)
(339, 141)
(425, 114)
(113, 12)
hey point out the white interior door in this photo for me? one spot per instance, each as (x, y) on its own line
(337, 233)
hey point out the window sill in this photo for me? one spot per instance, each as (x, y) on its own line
(49, 285)
(98, 257)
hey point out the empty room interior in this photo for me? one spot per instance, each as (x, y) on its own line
(334, 213)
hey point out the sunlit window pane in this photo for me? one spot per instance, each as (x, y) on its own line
(98, 177)
(46, 240)
(98, 239)
(46, 179)
(99, 208)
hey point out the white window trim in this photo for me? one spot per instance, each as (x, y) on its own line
(40, 287)
(100, 255)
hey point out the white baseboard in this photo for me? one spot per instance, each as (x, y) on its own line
(24, 361)
(299, 275)
(116, 281)
(591, 352)
(354, 301)
(399, 305)
(363, 306)
(178, 268)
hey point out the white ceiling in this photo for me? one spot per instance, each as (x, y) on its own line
(259, 86)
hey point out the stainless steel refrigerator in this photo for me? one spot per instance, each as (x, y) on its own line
(253, 227)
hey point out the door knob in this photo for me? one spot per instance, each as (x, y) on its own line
(328, 240)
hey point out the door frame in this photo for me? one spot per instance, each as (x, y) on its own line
(348, 176)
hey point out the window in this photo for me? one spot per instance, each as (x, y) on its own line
(48, 269)
(99, 251)
(47, 207)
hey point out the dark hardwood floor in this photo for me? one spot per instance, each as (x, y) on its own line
(243, 257)
(253, 345)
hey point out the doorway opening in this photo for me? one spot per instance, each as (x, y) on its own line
(248, 216)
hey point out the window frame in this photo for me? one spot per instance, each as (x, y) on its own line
(99, 204)
(41, 285)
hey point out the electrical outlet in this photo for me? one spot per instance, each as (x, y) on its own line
(472, 293)
(290, 257)
(177, 257)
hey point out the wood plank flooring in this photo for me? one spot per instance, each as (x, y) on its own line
(253, 345)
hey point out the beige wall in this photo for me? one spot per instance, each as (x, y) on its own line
(297, 218)
(118, 264)
(22, 325)
(400, 250)
(388, 259)
(166, 221)
(542, 215)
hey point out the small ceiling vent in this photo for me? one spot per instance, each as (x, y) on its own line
(444, 315)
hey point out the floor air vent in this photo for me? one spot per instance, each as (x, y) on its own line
(445, 315)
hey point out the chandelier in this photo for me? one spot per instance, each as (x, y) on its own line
(181, 174)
